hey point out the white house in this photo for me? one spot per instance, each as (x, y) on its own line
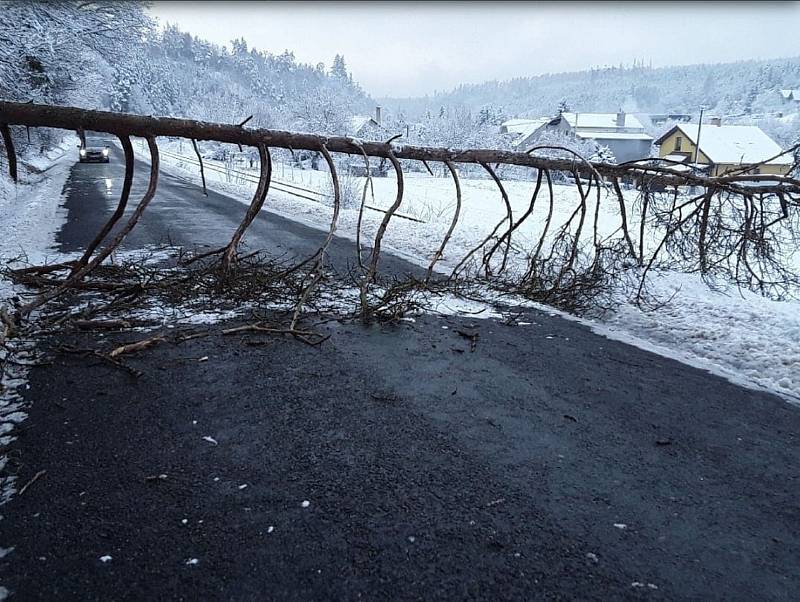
(523, 130)
(623, 133)
(791, 95)
(366, 127)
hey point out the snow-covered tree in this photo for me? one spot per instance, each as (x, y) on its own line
(339, 68)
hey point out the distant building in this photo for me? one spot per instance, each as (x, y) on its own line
(790, 95)
(723, 148)
(662, 118)
(524, 131)
(622, 133)
(367, 128)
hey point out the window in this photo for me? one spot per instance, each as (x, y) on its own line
(678, 143)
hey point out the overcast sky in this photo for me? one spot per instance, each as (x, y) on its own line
(411, 49)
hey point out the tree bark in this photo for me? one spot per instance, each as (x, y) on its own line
(121, 124)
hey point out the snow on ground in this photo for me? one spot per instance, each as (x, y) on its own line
(30, 216)
(31, 211)
(747, 338)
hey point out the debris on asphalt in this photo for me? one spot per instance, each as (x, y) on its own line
(32, 481)
(570, 417)
(138, 346)
(105, 558)
(620, 525)
(591, 556)
(472, 336)
(664, 441)
(305, 504)
(210, 440)
(156, 477)
(192, 561)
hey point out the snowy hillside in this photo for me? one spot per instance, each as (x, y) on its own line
(114, 56)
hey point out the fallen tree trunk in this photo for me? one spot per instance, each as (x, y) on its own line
(121, 124)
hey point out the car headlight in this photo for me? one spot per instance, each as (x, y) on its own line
(105, 152)
(83, 152)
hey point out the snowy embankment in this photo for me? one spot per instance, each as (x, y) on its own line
(31, 213)
(737, 334)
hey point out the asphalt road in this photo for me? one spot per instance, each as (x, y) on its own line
(180, 214)
(548, 463)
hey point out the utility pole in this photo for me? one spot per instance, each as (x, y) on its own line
(699, 129)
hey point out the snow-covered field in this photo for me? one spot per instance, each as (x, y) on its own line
(737, 334)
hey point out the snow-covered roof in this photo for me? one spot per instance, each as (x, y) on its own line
(745, 144)
(601, 120)
(525, 127)
(511, 123)
(357, 122)
(792, 93)
(595, 135)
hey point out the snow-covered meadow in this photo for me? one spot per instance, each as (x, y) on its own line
(734, 333)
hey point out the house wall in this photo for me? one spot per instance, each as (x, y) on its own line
(687, 147)
(779, 170)
(626, 150)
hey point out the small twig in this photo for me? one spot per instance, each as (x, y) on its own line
(32, 481)
(138, 346)
(473, 338)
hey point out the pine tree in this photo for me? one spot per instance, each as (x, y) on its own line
(339, 69)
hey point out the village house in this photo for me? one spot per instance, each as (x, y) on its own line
(662, 118)
(723, 148)
(523, 131)
(366, 127)
(622, 133)
(790, 96)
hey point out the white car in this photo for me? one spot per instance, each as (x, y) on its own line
(95, 151)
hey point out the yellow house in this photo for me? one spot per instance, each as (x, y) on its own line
(724, 148)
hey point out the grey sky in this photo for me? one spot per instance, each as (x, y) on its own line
(410, 49)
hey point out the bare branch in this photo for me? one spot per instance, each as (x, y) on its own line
(10, 152)
(253, 210)
(200, 161)
(440, 251)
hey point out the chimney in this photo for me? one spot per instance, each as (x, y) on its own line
(620, 118)
(378, 115)
(717, 121)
